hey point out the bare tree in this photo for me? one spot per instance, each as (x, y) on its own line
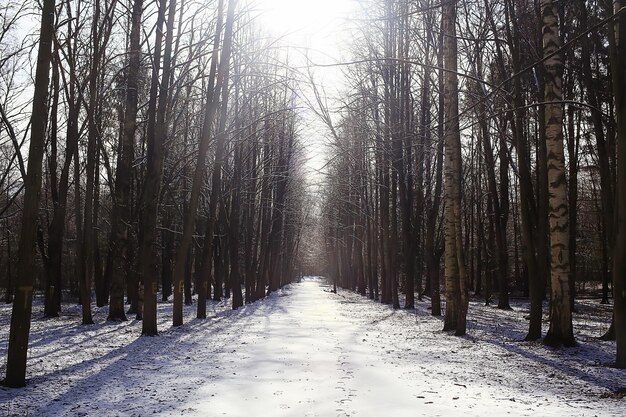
(22, 306)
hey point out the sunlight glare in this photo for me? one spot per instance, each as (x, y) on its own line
(313, 31)
(313, 24)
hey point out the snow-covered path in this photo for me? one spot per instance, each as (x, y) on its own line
(310, 359)
(305, 351)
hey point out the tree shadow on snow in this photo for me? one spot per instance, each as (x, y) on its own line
(124, 374)
(587, 362)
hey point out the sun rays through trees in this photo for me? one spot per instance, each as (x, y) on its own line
(427, 155)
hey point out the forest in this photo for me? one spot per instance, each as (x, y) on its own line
(157, 170)
(493, 156)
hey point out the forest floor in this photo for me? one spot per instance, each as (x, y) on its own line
(305, 351)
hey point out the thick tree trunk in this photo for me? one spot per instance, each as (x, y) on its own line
(22, 305)
(561, 331)
(456, 286)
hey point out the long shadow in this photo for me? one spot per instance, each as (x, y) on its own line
(421, 309)
(125, 363)
(576, 362)
(501, 329)
(608, 378)
(494, 323)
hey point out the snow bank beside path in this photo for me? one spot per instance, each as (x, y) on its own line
(305, 351)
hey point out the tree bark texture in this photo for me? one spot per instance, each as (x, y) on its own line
(560, 331)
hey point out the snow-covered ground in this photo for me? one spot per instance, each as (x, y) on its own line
(305, 351)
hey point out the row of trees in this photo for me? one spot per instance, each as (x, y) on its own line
(163, 159)
(490, 133)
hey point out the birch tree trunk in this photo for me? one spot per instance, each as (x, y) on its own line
(560, 332)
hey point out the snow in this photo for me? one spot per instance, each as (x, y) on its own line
(305, 351)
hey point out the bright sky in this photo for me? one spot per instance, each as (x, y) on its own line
(317, 24)
(318, 28)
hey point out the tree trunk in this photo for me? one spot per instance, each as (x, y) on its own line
(250, 246)
(265, 216)
(120, 236)
(560, 332)
(87, 258)
(22, 305)
(573, 140)
(56, 230)
(167, 249)
(456, 286)
(8, 293)
(190, 216)
(531, 230)
(235, 204)
(155, 138)
(619, 251)
(220, 149)
(102, 291)
(606, 183)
